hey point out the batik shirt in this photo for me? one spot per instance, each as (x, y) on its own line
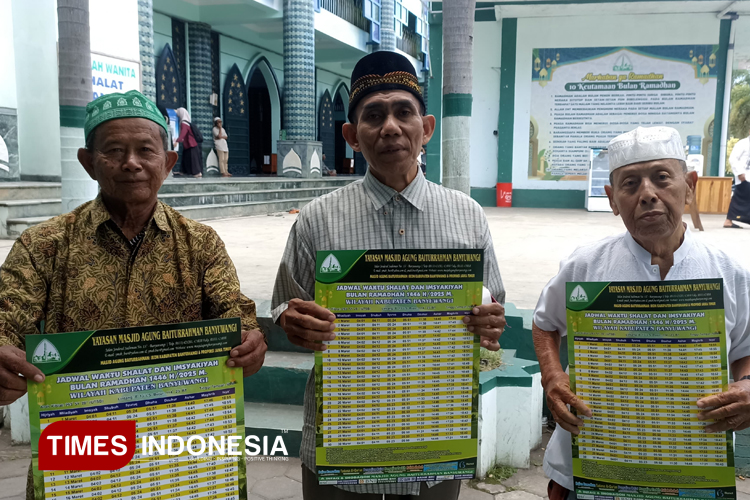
(368, 215)
(78, 272)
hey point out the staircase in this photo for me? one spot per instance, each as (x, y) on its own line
(236, 197)
(25, 204)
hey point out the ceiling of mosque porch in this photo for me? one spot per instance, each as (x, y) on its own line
(338, 44)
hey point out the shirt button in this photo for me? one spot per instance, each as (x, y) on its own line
(401, 232)
(654, 270)
(398, 198)
(385, 212)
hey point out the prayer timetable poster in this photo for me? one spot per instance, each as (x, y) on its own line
(641, 355)
(397, 391)
(581, 98)
(171, 379)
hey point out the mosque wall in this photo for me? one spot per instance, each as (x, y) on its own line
(162, 32)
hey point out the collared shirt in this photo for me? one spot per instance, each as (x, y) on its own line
(78, 272)
(621, 258)
(739, 160)
(367, 215)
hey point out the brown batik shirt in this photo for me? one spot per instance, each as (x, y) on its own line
(78, 272)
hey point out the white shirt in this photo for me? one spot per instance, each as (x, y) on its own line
(740, 158)
(220, 144)
(620, 258)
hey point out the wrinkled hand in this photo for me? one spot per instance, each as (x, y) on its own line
(731, 409)
(306, 323)
(12, 363)
(741, 177)
(487, 321)
(559, 396)
(250, 354)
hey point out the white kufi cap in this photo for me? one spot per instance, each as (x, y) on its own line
(645, 144)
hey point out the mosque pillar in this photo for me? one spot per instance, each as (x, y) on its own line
(201, 86)
(74, 76)
(299, 153)
(146, 46)
(387, 27)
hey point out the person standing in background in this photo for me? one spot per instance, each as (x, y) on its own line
(192, 159)
(222, 151)
(739, 208)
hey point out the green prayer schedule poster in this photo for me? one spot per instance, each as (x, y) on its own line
(172, 380)
(397, 391)
(641, 355)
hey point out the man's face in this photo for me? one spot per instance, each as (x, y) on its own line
(390, 131)
(650, 197)
(128, 160)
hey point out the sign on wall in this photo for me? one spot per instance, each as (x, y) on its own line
(111, 74)
(581, 98)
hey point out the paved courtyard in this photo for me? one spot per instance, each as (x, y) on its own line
(529, 244)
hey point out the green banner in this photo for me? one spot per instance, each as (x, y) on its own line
(172, 380)
(641, 355)
(397, 391)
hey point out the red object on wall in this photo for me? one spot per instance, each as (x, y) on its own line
(504, 194)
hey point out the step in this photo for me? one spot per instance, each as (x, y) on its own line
(20, 224)
(233, 197)
(222, 211)
(12, 209)
(205, 185)
(29, 190)
(282, 379)
(272, 420)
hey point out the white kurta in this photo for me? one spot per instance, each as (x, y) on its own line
(739, 160)
(620, 258)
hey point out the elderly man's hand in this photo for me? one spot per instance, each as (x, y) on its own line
(306, 323)
(559, 396)
(250, 354)
(487, 321)
(12, 363)
(730, 410)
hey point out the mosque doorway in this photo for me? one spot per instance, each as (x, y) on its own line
(260, 121)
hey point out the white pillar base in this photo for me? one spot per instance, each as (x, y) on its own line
(77, 186)
(456, 144)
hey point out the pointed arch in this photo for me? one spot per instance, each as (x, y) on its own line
(235, 107)
(326, 128)
(168, 78)
(343, 91)
(274, 94)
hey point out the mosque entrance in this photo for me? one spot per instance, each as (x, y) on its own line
(260, 129)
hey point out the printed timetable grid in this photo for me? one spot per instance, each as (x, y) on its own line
(647, 414)
(397, 377)
(208, 413)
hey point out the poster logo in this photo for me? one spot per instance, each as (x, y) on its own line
(579, 295)
(623, 64)
(45, 352)
(330, 265)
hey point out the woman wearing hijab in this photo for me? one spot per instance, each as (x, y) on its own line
(192, 159)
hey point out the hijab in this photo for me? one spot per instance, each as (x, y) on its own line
(183, 115)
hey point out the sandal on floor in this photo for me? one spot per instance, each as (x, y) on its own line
(733, 226)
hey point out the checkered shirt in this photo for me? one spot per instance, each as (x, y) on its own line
(367, 215)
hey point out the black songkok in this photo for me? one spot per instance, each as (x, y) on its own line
(381, 71)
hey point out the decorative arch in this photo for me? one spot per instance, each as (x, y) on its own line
(343, 91)
(168, 87)
(326, 128)
(274, 94)
(235, 107)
